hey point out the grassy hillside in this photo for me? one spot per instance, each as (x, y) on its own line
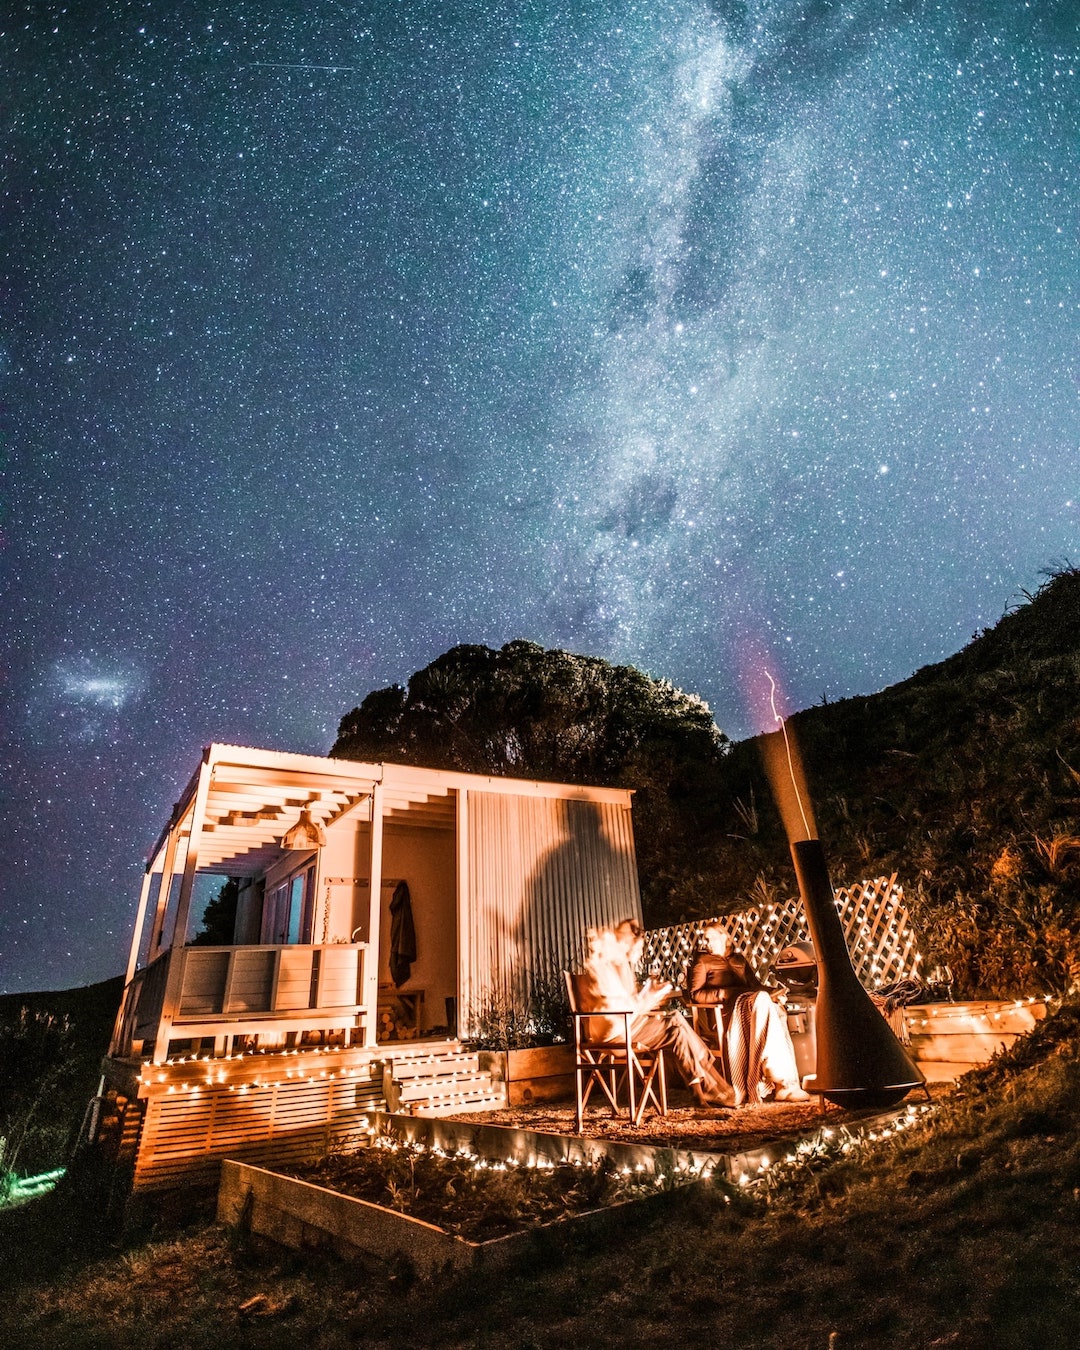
(964, 779)
(959, 1232)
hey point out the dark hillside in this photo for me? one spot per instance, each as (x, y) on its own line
(964, 779)
(524, 711)
(959, 1231)
(51, 1047)
(1047, 627)
(92, 1007)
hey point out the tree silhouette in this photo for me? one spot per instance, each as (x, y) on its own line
(529, 712)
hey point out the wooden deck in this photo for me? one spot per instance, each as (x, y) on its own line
(173, 1123)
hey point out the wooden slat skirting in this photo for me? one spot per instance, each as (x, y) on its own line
(185, 1135)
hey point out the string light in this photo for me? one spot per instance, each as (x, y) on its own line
(689, 1170)
(301, 1070)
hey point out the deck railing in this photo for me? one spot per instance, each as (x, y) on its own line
(222, 992)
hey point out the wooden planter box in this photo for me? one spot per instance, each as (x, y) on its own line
(963, 1035)
(303, 1216)
(542, 1074)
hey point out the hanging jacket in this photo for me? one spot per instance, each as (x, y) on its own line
(402, 935)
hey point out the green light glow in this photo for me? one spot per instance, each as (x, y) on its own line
(23, 1189)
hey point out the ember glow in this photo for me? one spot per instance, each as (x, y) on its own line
(791, 784)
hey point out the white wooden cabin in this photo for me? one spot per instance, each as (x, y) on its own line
(504, 876)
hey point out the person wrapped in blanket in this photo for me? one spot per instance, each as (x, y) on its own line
(609, 984)
(757, 1045)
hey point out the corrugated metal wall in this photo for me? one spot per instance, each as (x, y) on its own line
(541, 870)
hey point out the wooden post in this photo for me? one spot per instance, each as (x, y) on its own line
(133, 958)
(371, 956)
(140, 922)
(464, 912)
(175, 982)
(168, 865)
(315, 976)
(275, 980)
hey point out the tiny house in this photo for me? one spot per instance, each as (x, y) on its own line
(381, 912)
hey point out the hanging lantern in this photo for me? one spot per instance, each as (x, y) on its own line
(305, 834)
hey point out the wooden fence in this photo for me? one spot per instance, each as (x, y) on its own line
(876, 924)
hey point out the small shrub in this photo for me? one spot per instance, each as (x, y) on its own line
(35, 1062)
(513, 1017)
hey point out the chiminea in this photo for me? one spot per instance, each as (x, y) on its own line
(859, 1060)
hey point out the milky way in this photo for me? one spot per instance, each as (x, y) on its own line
(332, 335)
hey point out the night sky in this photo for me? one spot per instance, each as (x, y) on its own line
(333, 335)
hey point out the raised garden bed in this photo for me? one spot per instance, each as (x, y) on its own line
(303, 1215)
(962, 1035)
(470, 1196)
(499, 1190)
(537, 1074)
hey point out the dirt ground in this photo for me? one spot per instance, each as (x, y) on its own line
(688, 1126)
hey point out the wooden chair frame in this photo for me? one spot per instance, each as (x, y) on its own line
(710, 1021)
(611, 1063)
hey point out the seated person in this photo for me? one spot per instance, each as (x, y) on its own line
(609, 983)
(757, 1043)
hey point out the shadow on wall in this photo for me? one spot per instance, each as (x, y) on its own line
(582, 879)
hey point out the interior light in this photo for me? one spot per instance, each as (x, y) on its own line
(305, 834)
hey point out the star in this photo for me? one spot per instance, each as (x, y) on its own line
(331, 341)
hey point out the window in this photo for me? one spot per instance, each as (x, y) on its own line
(288, 913)
(295, 924)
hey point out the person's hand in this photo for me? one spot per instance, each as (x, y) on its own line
(654, 993)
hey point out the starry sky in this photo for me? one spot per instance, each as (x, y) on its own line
(335, 334)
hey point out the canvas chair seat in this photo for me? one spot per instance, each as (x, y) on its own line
(623, 1071)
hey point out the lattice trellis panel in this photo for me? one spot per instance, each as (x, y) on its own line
(878, 929)
(875, 920)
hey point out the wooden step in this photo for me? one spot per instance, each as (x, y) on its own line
(459, 1106)
(412, 1070)
(444, 1083)
(458, 1086)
